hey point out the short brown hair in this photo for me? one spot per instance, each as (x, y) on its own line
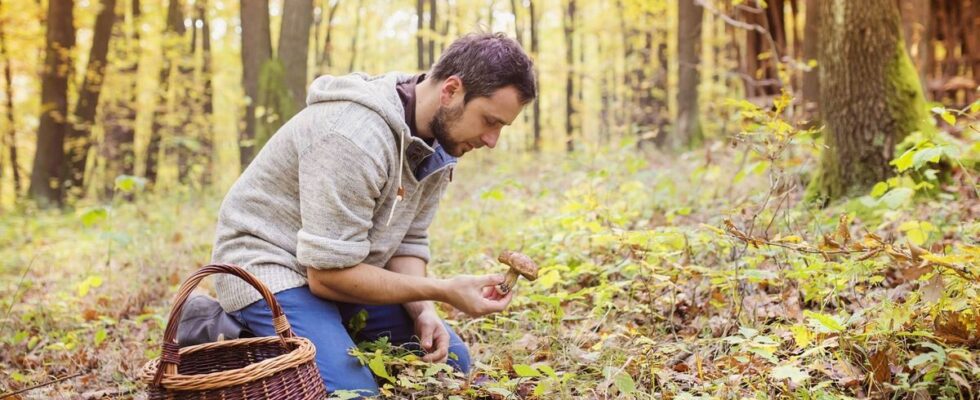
(486, 62)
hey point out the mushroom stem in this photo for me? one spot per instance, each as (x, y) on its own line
(509, 280)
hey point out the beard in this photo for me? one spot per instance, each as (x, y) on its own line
(444, 120)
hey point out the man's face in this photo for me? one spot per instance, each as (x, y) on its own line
(460, 128)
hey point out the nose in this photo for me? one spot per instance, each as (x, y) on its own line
(490, 139)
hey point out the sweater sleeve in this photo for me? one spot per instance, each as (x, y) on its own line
(338, 187)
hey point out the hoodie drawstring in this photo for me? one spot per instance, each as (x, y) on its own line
(401, 189)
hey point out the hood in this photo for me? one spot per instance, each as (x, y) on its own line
(376, 93)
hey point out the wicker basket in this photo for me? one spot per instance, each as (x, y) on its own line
(274, 367)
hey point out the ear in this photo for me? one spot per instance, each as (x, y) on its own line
(451, 88)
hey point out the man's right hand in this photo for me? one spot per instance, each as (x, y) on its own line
(468, 294)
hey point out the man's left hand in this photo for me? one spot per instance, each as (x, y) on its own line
(433, 336)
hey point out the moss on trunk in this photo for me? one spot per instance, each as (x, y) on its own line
(870, 96)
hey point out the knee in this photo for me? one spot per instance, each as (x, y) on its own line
(459, 358)
(459, 355)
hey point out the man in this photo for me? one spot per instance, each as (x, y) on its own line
(332, 215)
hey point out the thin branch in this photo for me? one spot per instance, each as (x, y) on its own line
(4, 396)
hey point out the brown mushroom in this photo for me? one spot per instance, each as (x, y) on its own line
(520, 265)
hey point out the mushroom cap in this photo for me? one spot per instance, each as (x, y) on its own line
(520, 263)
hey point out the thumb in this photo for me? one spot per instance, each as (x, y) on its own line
(426, 339)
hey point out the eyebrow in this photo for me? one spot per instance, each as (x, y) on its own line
(497, 120)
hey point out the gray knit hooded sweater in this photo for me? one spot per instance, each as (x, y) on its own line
(324, 190)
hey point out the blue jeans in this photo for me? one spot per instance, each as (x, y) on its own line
(324, 323)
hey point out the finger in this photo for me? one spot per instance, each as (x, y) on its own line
(494, 279)
(441, 348)
(442, 345)
(501, 303)
(426, 339)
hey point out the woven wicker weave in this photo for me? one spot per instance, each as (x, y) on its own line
(275, 367)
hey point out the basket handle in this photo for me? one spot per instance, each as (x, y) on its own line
(170, 351)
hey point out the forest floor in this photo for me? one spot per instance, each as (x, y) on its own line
(702, 275)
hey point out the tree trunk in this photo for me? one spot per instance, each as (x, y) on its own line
(172, 33)
(870, 97)
(256, 51)
(419, 30)
(568, 24)
(78, 140)
(207, 106)
(532, 17)
(353, 41)
(327, 60)
(294, 47)
(11, 123)
(49, 160)
(120, 117)
(186, 89)
(432, 31)
(915, 20)
(518, 26)
(688, 129)
(811, 51)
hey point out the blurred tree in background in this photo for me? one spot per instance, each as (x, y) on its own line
(184, 93)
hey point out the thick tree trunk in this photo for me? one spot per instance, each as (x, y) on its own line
(49, 160)
(256, 51)
(688, 128)
(532, 17)
(811, 51)
(294, 47)
(11, 122)
(78, 140)
(569, 28)
(870, 97)
(171, 35)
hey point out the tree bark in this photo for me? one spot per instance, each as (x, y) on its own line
(518, 25)
(419, 29)
(532, 17)
(327, 60)
(256, 51)
(78, 140)
(11, 122)
(688, 129)
(432, 31)
(870, 97)
(171, 35)
(49, 160)
(186, 89)
(811, 51)
(120, 118)
(294, 47)
(207, 106)
(357, 33)
(568, 24)
(916, 16)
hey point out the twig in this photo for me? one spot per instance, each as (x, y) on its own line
(13, 297)
(41, 385)
(747, 26)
